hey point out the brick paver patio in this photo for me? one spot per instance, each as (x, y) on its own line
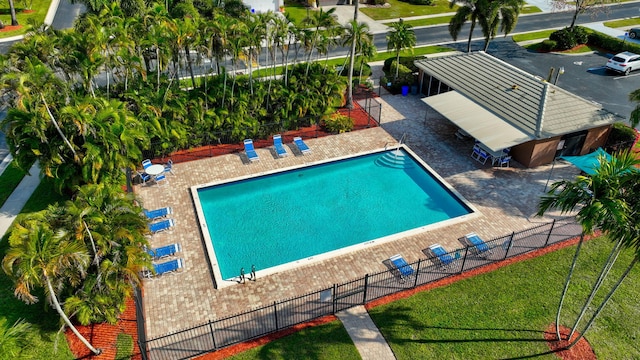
(505, 197)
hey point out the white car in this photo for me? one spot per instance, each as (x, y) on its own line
(624, 62)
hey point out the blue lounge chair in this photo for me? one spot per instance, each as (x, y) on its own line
(250, 151)
(165, 267)
(301, 145)
(438, 255)
(164, 251)
(277, 144)
(476, 244)
(162, 225)
(158, 213)
(400, 263)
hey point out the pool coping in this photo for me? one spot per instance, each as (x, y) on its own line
(219, 282)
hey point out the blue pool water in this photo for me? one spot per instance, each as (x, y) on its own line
(284, 217)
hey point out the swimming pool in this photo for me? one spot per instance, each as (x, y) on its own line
(277, 220)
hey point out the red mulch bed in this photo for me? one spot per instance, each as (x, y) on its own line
(103, 336)
(580, 351)
(10, 27)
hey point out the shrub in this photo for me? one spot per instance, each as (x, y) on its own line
(366, 70)
(404, 60)
(377, 2)
(612, 44)
(124, 346)
(402, 70)
(569, 38)
(621, 133)
(338, 123)
(548, 45)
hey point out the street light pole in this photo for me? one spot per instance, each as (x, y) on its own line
(560, 72)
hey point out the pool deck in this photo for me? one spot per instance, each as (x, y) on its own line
(506, 199)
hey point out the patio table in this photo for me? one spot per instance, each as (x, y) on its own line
(154, 170)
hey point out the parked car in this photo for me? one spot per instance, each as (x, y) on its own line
(634, 33)
(624, 62)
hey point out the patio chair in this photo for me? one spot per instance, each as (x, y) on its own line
(146, 163)
(165, 268)
(277, 144)
(250, 151)
(505, 161)
(438, 255)
(168, 167)
(144, 177)
(158, 213)
(401, 264)
(161, 179)
(164, 251)
(301, 145)
(476, 245)
(162, 225)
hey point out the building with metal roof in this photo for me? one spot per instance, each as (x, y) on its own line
(503, 106)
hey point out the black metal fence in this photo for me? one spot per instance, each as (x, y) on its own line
(227, 331)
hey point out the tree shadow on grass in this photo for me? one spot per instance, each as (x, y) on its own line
(398, 328)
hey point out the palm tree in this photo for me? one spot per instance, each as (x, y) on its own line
(399, 38)
(358, 35)
(607, 201)
(12, 11)
(41, 258)
(108, 221)
(498, 13)
(319, 20)
(468, 11)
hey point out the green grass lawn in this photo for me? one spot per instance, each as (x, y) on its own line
(39, 7)
(400, 9)
(536, 35)
(10, 178)
(328, 341)
(44, 319)
(298, 12)
(630, 22)
(503, 314)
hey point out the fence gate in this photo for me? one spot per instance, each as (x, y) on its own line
(349, 294)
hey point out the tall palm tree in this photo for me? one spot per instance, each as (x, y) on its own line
(41, 258)
(320, 20)
(468, 11)
(12, 11)
(498, 13)
(607, 201)
(399, 38)
(359, 37)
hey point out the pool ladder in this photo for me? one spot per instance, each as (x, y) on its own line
(396, 158)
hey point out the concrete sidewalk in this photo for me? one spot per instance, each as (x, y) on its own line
(616, 33)
(18, 198)
(365, 335)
